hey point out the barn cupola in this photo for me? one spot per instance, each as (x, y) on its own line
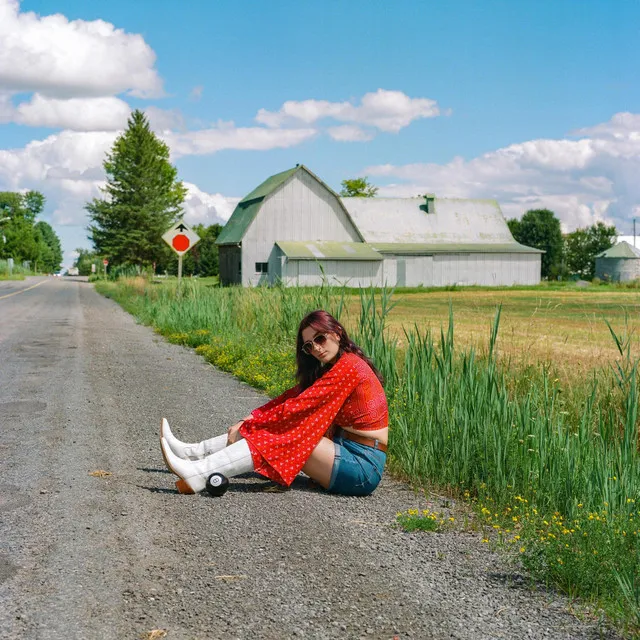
(429, 203)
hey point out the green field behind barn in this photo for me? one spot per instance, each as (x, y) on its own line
(563, 328)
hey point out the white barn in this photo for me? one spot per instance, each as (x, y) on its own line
(293, 228)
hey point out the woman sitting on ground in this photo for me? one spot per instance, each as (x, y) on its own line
(333, 425)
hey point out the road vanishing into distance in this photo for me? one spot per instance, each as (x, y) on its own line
(96, 543)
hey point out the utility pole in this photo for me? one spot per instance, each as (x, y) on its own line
(634, 232)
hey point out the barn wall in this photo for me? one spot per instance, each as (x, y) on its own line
(488, 269)
(390, 271)
(442, 269)
(351, 273)
(302, 209)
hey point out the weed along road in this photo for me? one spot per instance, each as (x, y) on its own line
(95, 542)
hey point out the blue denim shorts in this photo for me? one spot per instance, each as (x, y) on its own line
(357, 468)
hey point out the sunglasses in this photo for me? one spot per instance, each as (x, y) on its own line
(320, 340)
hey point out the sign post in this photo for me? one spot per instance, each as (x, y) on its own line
(181, 238)
(105, 262)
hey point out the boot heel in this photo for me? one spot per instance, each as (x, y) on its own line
(183, 487)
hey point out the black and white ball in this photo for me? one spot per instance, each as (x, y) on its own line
(217, 484)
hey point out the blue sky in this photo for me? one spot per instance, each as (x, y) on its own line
(532, 103)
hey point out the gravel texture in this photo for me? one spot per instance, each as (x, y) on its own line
(120, 554)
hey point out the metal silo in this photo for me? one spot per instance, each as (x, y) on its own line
(620, 263)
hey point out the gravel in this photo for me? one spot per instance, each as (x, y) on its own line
(120, 554)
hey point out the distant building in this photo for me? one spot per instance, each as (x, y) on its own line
(634, 241)
(293, 228)
(619, 263)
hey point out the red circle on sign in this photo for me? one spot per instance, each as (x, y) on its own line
(180, 242)
(105, 262)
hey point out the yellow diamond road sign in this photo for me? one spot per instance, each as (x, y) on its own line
(181, 237)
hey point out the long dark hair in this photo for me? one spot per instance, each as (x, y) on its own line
(309, 367)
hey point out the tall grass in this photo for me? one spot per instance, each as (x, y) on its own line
(17, 272)
(554, 472)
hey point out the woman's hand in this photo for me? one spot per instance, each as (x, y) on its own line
(233, 433)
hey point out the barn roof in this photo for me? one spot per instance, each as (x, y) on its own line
(247, 209)
(454, 221)
(620, 250)
(328, 250)
(448, 224)
(416, 248)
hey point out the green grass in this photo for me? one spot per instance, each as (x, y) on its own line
(415, 520)
(17, 273)
(551, 468)
(12, 277)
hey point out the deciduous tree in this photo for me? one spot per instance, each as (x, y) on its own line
(539, 228)
(142, 198)
(24, 239)
(84, 261)
(583, 245)
(358, 188)
(49, 257)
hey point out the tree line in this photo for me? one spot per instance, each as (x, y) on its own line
(565, 256)
(23, 238)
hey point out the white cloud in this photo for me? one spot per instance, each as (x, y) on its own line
(349, 133)
(385, 110)
(620, 124)
(585, 180)
(76, 114)
(66, 167)
(207, 208)
(58, 57)
(164, 120)
(67, 155)
(205, 141)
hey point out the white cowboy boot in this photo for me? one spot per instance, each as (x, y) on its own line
(230, 461)
(191, 451)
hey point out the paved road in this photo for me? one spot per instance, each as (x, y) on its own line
(82, 389)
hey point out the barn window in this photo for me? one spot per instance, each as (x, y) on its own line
(262, 267)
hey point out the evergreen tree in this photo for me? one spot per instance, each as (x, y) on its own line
(142, 198)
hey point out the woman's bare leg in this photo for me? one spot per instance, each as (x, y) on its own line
(320, 463)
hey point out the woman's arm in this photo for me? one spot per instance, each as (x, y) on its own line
(319, 402)
(289, 393)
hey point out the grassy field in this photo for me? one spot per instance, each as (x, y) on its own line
(549, 462)
(565, 328)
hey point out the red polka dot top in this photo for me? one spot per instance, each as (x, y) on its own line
(282, 433)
